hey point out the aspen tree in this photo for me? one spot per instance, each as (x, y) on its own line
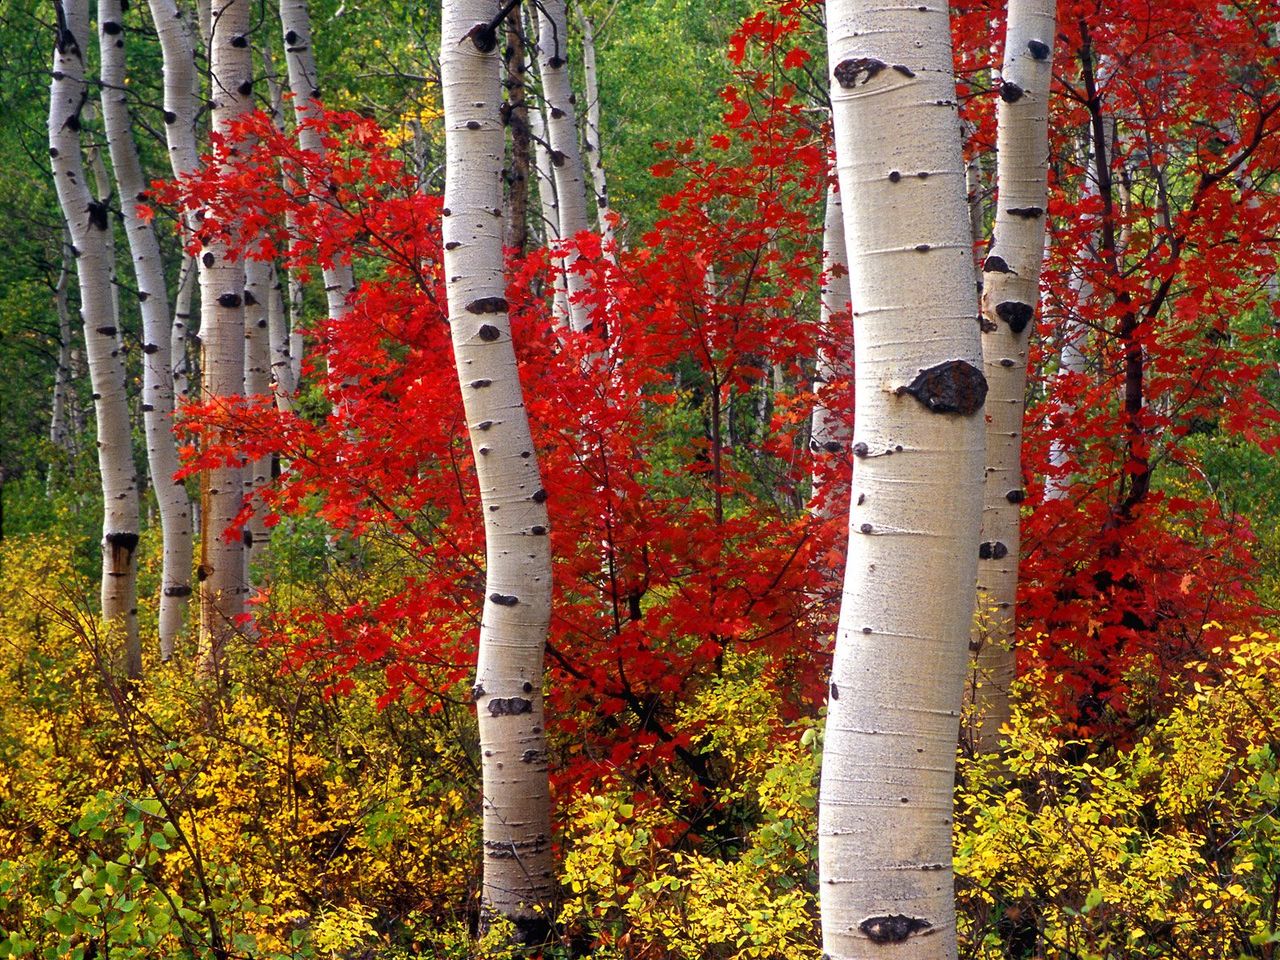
(89, 224)
(518, 875)
(562, 137)
(257, 382)
(157, 366)
(829, 434)
(222, 588)
(300, 60)
(548, 202)
(901, 652)
(591, 133)
(1010, 294)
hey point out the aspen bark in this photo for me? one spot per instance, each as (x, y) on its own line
(591, 133)
(517, 113)
(303, 82)
(566, 158)
(88, 221)
(257, 383)
(222, 587)
(829, 432)
(884, 825)
(285, 371)
(549, 204)
(179, 358)
(1010, 295)
(157, 368)
(59, 434)
(518, 875)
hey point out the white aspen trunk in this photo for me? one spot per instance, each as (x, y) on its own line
(181, 85)
(222, 586)
(592, 130)
(157, 374)
(1010, 294)
(829, 433)
(58, 430)
(550, 206)
(1074, 334)
(888, 767)
(257, 382)
(88, 221)
(282, 382)
(179, 355)
(977, 215)
(301, 63)
(282, 327)
(518, 874)
(562, 137)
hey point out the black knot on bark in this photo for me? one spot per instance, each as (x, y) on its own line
(250, 300)
(487, 305)
(1004, 361)
(953, 386)
(240, 41)
(1026, 213)
(509, 706)
(484, 424)
(995, 264)
(835, 691)
(488, 332)
(182, 591)
(98, 214)
(483, 37)
(538, 531)
(229, 300)
(208, 259)
(557, 158)
(150, 348)
(904, 70)
(539, 496)
(452, 245)
(107, 331)
(892, 929)
(992, 550)
(245, 88)
(1015, 496)
(832, 446)
(53, 151)
(1038, 49)
(125, 543)
(555, 63)
(111, 28)
(557, 113)
(847, 72)
(290, 37)
(480, 384)
(477, 691)
(504, 600)
(1010, 92)
(1016, 314)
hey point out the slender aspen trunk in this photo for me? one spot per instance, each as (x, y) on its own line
(518, 873)
(517, 113)
(549, 204)
(562, 135)
(222, 587)
(257, 382)
(829, 433)
(977, 215)
(59, 433)
(884, 827)
(179, 332)
(303, 82)
(157, 369)
(88, 221)
(285, 373)
(1010, 294)
(592, 132)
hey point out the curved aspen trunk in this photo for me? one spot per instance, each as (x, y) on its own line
(157, 330)
(1010, 294)
(562, 136)
(518, 876)
(222, 587)
(888, 765)
(300, 59)
(829, 433)
(591, 80)
(88, 221)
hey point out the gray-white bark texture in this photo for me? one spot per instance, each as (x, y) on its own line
(565, 157)
(157, 368)
(89, 224)
(884, 844)
(1010, 296)
(300, 60)
(518, 871)
(257, 383)
(829, 431)
(591, 132)
(222, 587)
